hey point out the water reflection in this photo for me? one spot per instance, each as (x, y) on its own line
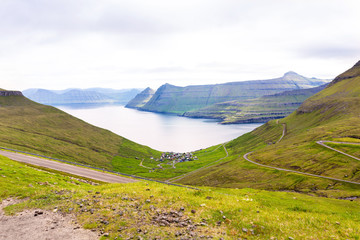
(159, 131)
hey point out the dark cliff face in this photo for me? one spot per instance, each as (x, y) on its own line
(10, 93)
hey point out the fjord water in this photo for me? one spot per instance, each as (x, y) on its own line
(159, 131)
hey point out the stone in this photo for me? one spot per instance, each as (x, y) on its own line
(244, 230)
(37, 213)
(193, 211)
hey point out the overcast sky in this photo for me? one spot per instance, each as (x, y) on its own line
(58, 44)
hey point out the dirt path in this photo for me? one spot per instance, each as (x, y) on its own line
(346, 154)
(63, 167)
(246, 157)
(283, 133)
(45, 226)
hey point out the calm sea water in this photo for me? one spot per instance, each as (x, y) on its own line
(159, 131)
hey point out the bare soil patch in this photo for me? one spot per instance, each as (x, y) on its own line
(40, 225)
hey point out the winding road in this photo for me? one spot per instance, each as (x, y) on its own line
(246, 157)
(63, 167)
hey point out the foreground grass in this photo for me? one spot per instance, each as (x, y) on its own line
(133, 210)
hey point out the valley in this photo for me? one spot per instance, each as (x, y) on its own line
(268, 183)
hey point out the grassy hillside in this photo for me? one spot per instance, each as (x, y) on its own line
(256, 110)
(329, 115)
(32, 127)
(178, 100)
(147, 210)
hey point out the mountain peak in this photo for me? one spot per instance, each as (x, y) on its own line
(291, 73)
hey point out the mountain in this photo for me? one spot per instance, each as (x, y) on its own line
(141, 99)
(330, 115)
(33, 127)
(173, 99)
(81, 96)
(256, 110)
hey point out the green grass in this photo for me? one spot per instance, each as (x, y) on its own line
(131, 166)
(264, 214)
(36, 128)
(353, 150)
(329, 115)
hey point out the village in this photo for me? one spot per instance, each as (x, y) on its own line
(177, 157)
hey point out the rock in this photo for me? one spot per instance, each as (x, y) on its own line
(291, 238)
(97, 193)
(37, 213)
(203, 205)
(70, 209)
(148, 189)
(193, 211)
(223, 217)
(244, 230)
(208, 197)
(30, 185)
(147, 201)
(182, 209)
(106, 235)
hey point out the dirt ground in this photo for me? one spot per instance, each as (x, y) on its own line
(40, 225)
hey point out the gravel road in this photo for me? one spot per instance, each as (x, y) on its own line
(63, 167)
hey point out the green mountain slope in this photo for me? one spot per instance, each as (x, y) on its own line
(29, 126)
(332, 114)
(149, 210)
(178, 100)
(141, 99)
(256, 110)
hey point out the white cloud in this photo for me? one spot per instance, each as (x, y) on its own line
(139, 43)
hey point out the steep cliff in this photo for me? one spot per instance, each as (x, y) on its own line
(173, 99)
(141, 99)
